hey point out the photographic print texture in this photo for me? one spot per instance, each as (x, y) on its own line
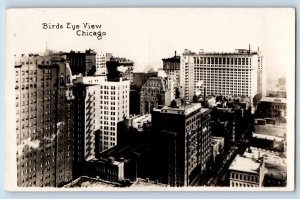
(150, 99)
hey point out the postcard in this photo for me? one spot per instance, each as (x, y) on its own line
(150, 99)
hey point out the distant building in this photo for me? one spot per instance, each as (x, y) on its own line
(268, 142)
(231, 119)
(277, 93)
(101, 63)
(272, 107)
(44, 120)
(154, 92)
(182, 142)
(83, 63)
(119, 67)
(240, 73)
(267, 135)
(139, 79)
(172, 67)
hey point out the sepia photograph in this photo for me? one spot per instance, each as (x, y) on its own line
(150, 99)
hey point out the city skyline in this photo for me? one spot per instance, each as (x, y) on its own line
(157, 35)
(87, 106)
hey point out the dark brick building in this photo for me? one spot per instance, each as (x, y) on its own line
(82, 62)
(181, 143)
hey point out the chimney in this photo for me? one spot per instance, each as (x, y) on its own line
(175, 53)
(249, 48)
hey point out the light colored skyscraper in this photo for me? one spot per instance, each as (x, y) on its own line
(101, 104)
(240, 73)
(114, 106)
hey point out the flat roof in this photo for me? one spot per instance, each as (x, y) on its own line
(273, 99)
(147, 183)
(182, 109)
(270, 157)
(270, 130)
(88, 182)
(268, 137)
(245, 164)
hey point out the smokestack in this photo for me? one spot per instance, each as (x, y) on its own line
(249, 48)
(175, 53)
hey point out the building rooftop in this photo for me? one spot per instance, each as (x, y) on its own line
(270, 157)
(122, 60)
(185, 109)
(157, 82)
(90, 80)
(236, 52)
(175, 59)
(273, 99)
(267, 137)
(245, 164)
(139, 120)
(147, 183)
(277, 172)
(88, 182)
(270, 130)
(250, 161)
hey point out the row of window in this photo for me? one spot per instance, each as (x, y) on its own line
(219, 60)
(31, 72)
(239, 184)
(244, 177)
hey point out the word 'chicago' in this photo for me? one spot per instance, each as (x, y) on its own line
(71, 26)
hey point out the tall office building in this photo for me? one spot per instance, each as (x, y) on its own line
(240, 73)
(86, 119)
(182, 138)
(114, 106)
(44, 120)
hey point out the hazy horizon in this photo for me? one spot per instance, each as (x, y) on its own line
(148, 35)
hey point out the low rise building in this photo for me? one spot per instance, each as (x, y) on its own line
(258, 168)
(272, 107)
(246, 172)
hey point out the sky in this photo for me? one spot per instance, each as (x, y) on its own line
(148, 35)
